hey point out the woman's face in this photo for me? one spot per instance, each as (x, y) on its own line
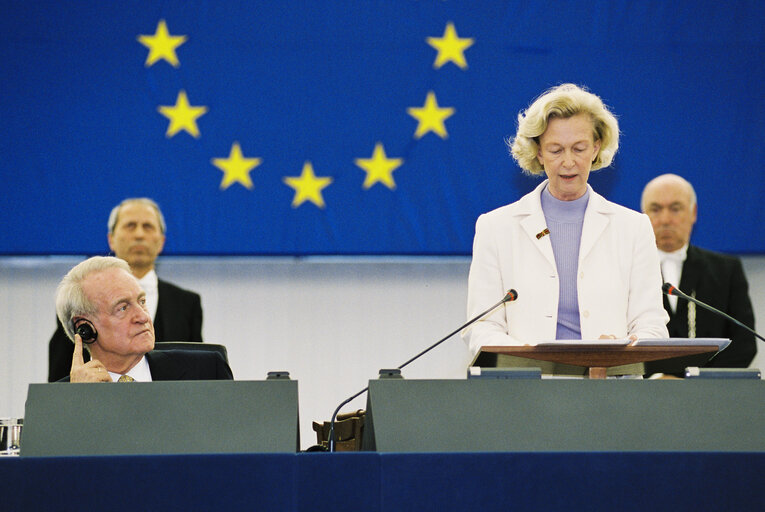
(566, 151)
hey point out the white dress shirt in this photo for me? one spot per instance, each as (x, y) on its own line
(140, 372)
(672, 270)
(150, 284)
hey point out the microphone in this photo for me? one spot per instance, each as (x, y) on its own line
(510, 296)
(670, 289)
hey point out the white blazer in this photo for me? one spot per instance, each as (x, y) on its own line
(618, 282)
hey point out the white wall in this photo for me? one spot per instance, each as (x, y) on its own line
(331, 322)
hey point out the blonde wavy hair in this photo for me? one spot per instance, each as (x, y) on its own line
(563, 101)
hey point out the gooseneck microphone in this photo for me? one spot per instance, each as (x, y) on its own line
(670, 289)
(510, 296)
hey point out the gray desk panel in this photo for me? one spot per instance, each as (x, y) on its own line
(566, 415)
(161, 418)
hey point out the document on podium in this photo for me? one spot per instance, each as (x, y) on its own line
(609, 342)
(720, 343)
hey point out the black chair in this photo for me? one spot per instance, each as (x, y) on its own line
(192, 345)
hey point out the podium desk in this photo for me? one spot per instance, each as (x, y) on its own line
(598, 358)
(164, 417)
(563, 415)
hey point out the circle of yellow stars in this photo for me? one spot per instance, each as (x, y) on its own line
(236, 168)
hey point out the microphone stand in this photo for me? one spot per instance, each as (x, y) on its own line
(510, 296)
(669, 289)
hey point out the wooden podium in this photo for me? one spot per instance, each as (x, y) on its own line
(598, 357)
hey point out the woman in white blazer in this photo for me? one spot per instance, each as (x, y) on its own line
(584, 267)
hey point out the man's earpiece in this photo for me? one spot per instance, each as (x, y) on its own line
(86, 330)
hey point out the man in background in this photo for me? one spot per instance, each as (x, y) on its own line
(136, 234)
(713, 278)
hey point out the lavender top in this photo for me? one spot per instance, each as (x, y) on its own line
(565, 220)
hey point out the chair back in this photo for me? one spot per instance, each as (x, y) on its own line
(192, 345)
(349, 431)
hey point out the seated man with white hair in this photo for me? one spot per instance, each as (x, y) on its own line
(136, 234)
(100, 303)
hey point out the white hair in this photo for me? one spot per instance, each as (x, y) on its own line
(71, 300)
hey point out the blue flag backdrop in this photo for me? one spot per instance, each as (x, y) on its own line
(359, 127)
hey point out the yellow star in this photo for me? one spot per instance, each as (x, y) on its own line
(431, 117)
(307, 186)
(182, 116)
(450, 47)
(161, 45)
(379, 168)
(236, 167)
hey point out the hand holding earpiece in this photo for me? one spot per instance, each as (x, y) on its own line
(92, 371)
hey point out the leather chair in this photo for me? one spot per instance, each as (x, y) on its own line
(192, 345)
(349, 432)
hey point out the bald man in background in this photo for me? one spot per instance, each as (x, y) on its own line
(713, 278)
(136, 234)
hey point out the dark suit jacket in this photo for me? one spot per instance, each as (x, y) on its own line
(719, 281)
(185, 365)
(179, 318)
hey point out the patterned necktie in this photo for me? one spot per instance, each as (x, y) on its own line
(125, 378)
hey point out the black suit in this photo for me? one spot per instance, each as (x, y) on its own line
(179, 314)
(178, 318)
(719, 281)
(185, 365)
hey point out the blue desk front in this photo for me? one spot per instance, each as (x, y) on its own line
(387, 481)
